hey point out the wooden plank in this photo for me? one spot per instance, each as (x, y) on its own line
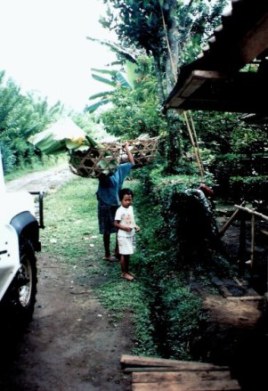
(204, 386)
(152, 369)
(179, 377)
(245, 298)
(128, 360)
(181, 368)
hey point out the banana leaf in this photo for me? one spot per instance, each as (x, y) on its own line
(45, 141)
(62, 136)
(107, 166)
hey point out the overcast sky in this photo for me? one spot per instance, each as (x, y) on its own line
(43, 47)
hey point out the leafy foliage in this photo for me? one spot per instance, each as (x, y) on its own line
(181, 314)
(137, 110)
(249, 140)
(21, 116)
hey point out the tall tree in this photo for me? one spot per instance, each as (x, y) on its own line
(165, 29)
(169, 31)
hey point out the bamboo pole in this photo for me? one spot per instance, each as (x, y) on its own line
(195, 147)
(230, 220)
(252, 211)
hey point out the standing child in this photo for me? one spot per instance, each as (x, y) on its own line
(125, 223)
(108, 201)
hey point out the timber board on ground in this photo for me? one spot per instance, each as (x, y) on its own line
(150, 373)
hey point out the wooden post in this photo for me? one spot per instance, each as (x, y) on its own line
(242, 244)
(252, 239)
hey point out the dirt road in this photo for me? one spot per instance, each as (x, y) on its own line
(70, 344)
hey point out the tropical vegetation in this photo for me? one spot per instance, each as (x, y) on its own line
(178, 243)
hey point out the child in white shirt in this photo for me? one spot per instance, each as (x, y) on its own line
(125, 223)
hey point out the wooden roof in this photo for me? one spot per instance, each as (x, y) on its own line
(215, 81)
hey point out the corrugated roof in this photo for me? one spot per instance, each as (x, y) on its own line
(213, 81)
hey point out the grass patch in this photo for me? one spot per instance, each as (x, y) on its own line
(70, 218)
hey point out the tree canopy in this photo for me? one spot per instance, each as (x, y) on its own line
(170, 31)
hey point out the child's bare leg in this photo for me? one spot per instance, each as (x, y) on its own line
(124, 262)
(116, 249)
(127, 266)
(106, 242)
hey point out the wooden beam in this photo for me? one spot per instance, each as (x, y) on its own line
(255, 41)
(217, 385)
(179, 377)
(196, 79)
(253, 212)
(128, 360)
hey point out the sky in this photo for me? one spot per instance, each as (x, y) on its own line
(43, 48)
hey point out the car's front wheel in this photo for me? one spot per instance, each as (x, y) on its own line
(22, 293)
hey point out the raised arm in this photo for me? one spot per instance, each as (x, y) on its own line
(129, 154)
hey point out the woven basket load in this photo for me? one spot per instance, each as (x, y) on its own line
(92, 162)
(143, 150)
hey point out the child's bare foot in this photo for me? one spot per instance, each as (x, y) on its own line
(127, 276)
(110, 258)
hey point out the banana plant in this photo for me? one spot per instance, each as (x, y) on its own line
(112, 77)
(115, 79)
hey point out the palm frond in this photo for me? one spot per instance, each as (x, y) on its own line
(101, 94)
(104, 71)
(96, 105)
(120, 78)
(121, 51)
(103, 80)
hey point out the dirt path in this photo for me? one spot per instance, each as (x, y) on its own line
(47, 181)
(70, 344)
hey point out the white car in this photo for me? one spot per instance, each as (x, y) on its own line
(19, 241)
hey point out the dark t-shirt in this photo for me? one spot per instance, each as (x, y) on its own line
(109, 186)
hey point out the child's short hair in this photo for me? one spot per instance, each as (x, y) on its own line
(125, 191)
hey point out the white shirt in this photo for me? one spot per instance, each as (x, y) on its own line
(126, 217)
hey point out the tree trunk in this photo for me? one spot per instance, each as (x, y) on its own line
(172, 40)
(159, 78)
